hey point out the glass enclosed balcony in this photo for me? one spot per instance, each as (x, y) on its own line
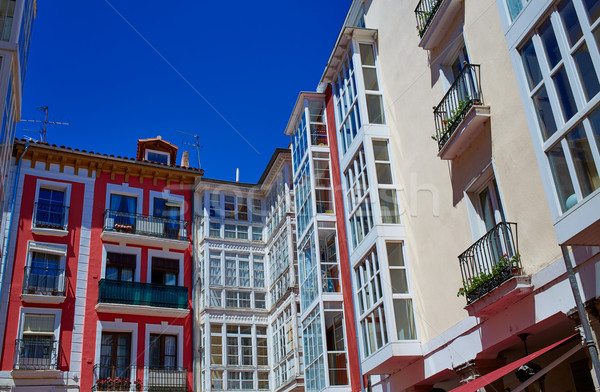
(145, 294)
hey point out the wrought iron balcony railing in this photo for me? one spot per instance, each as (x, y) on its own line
(452, 109)
(146, 225)
(44, 281)
(490, 261)
(137, 293)
(148, 378)
(50, 216)
(425, 11)
(36, 353)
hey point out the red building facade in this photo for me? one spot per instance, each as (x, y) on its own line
(98, 277)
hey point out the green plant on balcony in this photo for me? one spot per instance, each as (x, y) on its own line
(424, 17)
(449, 122)
(484, 278)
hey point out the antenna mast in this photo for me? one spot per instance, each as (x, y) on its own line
(45, 122)
(196, 145)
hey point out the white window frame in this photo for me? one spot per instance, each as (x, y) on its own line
(167, 255)
(50, 248)
(147, 151)
(122, 249)
(162, 329)
(125, 190)
(474, 210)
(550, 12)
(58, 186)
(118, 326)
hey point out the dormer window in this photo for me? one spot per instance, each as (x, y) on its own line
(158, 156)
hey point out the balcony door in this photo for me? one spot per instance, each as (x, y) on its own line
(490, 207)
(120, 266)
(43, 274)
(165, 271)
(124, 209)
(37, 348)
(170, 212)
(50, 208)
(115, 355)
(163, 352)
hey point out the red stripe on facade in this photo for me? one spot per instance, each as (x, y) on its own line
(352, 337)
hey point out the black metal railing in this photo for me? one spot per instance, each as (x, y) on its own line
(147, 378)
(36, 353)
(44, 281)
(50, 216)
(151, 226)
(452, 109)
(490, 261)
(425, 11)
(137, 293)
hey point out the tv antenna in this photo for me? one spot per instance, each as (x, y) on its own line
(45, 122)
(196, 145)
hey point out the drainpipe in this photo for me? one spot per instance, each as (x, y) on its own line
(6, 240)
(585, 323)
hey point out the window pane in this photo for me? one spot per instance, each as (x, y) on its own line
(530, 62)
(569, 17)
(380, 150)
(587, 73)
(514, 8)
(593, 9)
(550, 44)
(395, 256)
(375, 109)
(565, 94)
(389, 206)
(38, 323)
(367, 57)
(398, 281)
(595, 122)
(562, 178)
(544, 112)
(583, 160)
(384, 173)
(370, 77)
(405, 322)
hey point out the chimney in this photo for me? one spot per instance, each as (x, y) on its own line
(185, 159)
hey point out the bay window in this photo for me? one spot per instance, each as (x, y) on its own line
(563, 77)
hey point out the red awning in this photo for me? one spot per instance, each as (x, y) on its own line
(504, 370)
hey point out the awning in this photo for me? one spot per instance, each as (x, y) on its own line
(504, 370)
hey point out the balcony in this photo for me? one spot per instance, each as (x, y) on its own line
(434, 17)
(50, 219)
(43, 285)
(145, 230)
(460, 114)
(36, 353)
(115, 296)
(139, 378)
(488, 266)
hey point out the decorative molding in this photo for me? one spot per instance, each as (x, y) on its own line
(43, 299)
(141, 310)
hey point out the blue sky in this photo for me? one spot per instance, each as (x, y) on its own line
(249, 60)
